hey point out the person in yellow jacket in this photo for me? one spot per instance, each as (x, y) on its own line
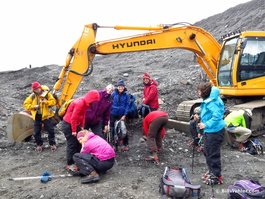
(38, 103)
(239, 123)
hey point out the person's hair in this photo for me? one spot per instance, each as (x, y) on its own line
(110, 86)
(205, 89)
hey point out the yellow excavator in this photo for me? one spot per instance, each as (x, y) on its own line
(237, 67)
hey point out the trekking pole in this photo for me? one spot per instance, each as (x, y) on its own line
(192, 161)
(212, 189)
(39, 177)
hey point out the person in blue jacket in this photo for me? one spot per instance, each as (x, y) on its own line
(119, 110)
(132, 113)
(213, 125)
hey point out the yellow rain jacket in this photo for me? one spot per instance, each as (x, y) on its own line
(44, 109)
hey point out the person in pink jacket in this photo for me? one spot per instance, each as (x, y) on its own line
(96, 156)
(74, 121)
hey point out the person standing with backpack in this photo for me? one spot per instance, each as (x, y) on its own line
(39, 104)
(73, 122)
(213, 125)
(119, 111)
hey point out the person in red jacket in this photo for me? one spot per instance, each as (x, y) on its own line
(150, 92)
(154, 129)
(74, 121)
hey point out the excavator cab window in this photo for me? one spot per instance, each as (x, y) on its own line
(252, 59)
(226, 63)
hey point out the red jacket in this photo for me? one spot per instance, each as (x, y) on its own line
(75, 114)
(150, 117)
(150, 94)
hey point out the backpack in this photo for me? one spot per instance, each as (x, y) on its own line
(120, 130)
(246, 189)
(176, 184)
(252, 147)
(64, 107)
(144, 110)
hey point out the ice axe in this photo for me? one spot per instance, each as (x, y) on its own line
(44, 178)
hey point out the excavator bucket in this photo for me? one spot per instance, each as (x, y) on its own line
(20, 126)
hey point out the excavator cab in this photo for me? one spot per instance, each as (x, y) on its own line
(242, 65)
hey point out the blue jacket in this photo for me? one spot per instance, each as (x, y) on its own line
(120, 103)
(133, 106)
(212, 112)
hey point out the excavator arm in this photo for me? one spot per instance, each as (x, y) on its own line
(80, 57)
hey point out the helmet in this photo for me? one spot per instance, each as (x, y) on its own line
(249, 112)
(197, 110)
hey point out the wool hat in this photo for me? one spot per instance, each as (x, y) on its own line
(120, 83)
(146, 76)
(35, 85)
(81, 134)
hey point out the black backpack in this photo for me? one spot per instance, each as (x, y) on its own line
(144, 110)
(176, 184)
(252, 147)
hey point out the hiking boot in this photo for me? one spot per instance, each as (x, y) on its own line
(151, 159)
(206, 175)
(53, 148)
(211, 180)
(39, 149)
(190, 144)
(144, 137)
(199, 149)
(92, 177)
(241, 146)
(125, 148)
(72, 169)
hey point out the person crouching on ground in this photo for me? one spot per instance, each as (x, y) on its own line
(153, 127)
(239, 123)
(96, 156)
(213, 125)
(74, 121)
(39, 104)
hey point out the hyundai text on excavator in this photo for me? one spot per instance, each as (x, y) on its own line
(237, 67)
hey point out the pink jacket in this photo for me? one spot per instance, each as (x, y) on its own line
(75, 114)
(98, 147)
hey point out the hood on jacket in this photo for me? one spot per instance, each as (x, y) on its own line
(151, 82)
(91, 96)
(213, 95)
(90, 135)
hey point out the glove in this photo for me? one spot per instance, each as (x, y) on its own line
(45, 179)
(45, 173)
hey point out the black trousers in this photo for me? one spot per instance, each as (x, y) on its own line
(212, 151)
(73, 146)
(97, 129)
(49, 128)
(87, 162)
